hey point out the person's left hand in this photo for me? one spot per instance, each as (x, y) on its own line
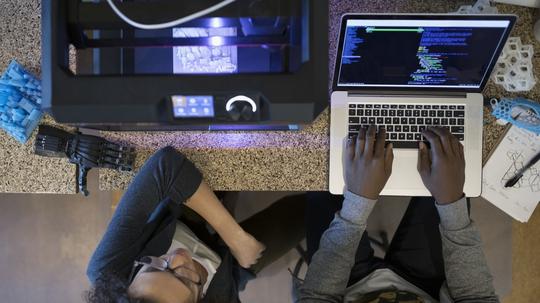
(368, 165)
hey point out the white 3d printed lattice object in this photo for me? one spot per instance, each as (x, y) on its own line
(480, 7)
(514, 69)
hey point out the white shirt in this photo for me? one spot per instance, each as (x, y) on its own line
(383, 279)
(186, 239)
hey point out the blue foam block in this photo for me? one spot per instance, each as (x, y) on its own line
(20, 102)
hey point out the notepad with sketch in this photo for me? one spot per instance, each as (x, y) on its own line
(515, 149)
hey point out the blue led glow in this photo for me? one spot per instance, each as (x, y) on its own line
(216, 22)
(217, 41)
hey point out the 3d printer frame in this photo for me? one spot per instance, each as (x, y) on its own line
(141, 102)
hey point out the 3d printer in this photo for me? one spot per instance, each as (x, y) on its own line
(253, 64)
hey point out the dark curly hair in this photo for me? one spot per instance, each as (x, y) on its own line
(110, 288)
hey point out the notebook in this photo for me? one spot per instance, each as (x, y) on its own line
(515, 149)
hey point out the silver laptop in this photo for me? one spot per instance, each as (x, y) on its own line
(408, 72)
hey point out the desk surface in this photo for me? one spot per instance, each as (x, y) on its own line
(229, 161)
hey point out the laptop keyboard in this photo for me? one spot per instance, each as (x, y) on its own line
(405, 122)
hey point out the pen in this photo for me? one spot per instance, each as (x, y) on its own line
(519, 174)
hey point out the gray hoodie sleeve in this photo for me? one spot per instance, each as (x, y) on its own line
(328, 273)
(468, 277)
(467, 274)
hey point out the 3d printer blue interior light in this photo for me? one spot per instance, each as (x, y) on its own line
(20, 102)
(520, 112)
(185, 19)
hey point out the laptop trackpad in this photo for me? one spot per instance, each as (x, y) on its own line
(405, 175)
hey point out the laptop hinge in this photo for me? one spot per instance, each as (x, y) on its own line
(415, 94)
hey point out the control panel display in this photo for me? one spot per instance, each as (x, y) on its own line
(193, 106)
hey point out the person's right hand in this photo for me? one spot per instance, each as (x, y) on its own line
(442, 167)
(368, 163)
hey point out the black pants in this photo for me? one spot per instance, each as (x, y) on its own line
(280, 227)
(415, 252)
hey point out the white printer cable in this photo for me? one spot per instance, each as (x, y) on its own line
(185, 19)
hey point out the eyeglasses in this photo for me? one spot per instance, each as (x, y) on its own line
(159, 264)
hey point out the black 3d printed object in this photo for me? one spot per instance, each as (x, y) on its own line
(85, 151)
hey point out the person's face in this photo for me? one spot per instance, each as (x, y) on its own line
(162, 286)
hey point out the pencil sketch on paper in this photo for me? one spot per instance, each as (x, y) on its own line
(531, 177)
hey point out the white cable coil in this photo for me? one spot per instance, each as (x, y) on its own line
(182, 20)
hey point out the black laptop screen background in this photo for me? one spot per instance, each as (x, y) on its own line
(418, 53)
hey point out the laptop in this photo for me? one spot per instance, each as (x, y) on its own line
(406, 72)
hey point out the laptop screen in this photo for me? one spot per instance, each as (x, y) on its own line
(432, 52)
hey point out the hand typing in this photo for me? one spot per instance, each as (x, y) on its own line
(368, 164)
(442, 167)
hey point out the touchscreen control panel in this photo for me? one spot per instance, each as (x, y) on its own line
(193, 106)
(231, 107)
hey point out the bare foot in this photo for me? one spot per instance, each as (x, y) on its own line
(246, 249)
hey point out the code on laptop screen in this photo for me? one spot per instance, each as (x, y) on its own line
(419, 53)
